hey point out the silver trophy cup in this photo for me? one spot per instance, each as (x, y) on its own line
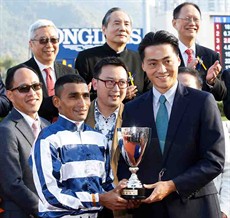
(132, 142)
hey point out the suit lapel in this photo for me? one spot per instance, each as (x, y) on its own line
(182, 60)
(117, 125)
(179, 105)
(90, 120)
(32, 63)
(57, 69)
(22, 126)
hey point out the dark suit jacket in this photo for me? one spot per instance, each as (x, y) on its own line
(226, 101)
(4, 101)
(193, 155)
(47, 109)
(209, 57)
(87, 59)
(115, 151)
(16, 182)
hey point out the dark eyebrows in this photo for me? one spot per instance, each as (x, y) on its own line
(152, 59)
(78, 94)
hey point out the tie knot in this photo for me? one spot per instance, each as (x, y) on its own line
(188, 51)
(162, 99)
(47, 70)
(35, 124)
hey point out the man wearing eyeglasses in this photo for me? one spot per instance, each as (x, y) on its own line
(18, 131)
(110, 81)
(70, 159)
(44, 44)
(187, 21)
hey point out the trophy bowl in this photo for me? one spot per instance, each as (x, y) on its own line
(132, 142)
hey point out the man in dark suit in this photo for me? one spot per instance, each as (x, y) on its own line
(18, 131)
(181, 161)
(44, 44)
(4, 101)
(117, 28)
(226, 101)
(186, 20)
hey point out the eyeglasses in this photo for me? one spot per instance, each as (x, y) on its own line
(109, 84)
(26, 88)
(190, 19)
(44, 41)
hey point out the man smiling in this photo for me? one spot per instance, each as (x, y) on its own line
(44, 44)
(71, 165)
(187, 22)
(17, 132)
(117, 29)
(187, 151)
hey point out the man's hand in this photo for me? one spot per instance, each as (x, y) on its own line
(161, 190)
(113, 199)
(193, 63)
(213, 72)
(131, 92)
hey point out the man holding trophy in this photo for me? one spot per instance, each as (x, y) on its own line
(185, 150)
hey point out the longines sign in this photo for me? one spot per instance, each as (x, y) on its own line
(74, 40)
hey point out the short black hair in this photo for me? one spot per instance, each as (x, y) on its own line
(158, 38)
(194, 73)
(108, 61)
(68, 78)
(11, 72)
(107, 16)
(176, 11)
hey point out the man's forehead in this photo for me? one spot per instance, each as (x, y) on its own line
(76, 87)
(25, 71)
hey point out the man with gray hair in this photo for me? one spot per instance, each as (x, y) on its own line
(117, 29)
(44, 44)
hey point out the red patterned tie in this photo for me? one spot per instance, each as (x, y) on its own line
(49, 82)
(189, 53)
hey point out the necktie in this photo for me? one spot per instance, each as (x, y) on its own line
(162, 122)
(189, 53)
(36, 128)
(49, 82)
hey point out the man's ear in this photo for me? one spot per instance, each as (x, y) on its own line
(94, 84)
(103, 30)
(56, 101)
(89, 86)
(179, 61)
(143, 66)
(174, 23)
(9, 95)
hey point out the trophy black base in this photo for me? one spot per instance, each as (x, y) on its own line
(133, 193)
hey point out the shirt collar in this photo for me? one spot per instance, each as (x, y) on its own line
(42, 66)
(111, 50)
(79, 124)
(169, 95)
(97, 109)
(29, 119)
(183, 48)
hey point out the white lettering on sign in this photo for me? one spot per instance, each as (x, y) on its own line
(82, 38)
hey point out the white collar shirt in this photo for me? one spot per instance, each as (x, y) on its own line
(184, 55)
(169, 95)
(42, 67)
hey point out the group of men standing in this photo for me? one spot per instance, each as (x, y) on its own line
(74, 166)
